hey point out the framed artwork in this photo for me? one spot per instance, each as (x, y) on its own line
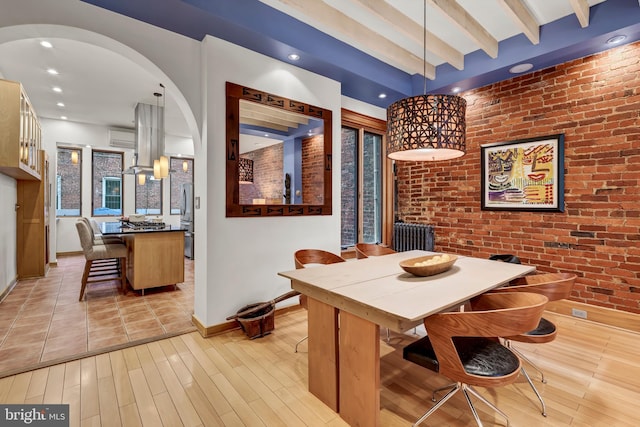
(524, 175)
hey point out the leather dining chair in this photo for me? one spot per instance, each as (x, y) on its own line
(365, 250)
(308, 257)
(103, 262)
(464, 346)
(555, 286)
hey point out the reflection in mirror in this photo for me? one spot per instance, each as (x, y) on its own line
(287, 144)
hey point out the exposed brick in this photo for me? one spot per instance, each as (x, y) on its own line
(594, 102)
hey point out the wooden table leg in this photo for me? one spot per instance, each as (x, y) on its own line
(323, 352)
(359, 371)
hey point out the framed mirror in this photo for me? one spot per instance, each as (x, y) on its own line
(278, 155)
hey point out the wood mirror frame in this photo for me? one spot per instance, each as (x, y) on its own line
(234, 94)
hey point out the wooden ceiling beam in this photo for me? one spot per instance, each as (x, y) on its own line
(410, 28)
(468, 25)
(524, 18)
(581, 9)
(325, 18)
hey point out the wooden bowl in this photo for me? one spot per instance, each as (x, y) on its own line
(409, 265)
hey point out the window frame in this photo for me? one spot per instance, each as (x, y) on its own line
(58, 182)
(191, 171)
(121, 179)
(362, 123)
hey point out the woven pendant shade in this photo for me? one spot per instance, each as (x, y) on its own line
(245, 170)
(426, 128)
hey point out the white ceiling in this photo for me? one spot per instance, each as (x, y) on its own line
(101, 87)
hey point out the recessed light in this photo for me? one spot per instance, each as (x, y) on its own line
(293, 56)
(63, 117)
(46, 44)
(616, 39)
(56, 89)
(520, 68)
(60, 104)
(52, 71)
(382, 95)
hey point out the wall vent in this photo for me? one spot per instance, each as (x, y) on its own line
(122, 139)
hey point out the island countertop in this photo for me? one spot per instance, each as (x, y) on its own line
(119, 227)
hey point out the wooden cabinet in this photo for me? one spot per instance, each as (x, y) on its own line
(20, 133)
(33, 224)
(155, 258)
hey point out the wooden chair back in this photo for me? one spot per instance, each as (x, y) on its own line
(555, 286)
(303, 257)
(365, 250)
(492, 315)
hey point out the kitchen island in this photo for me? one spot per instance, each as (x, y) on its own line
(155, 252)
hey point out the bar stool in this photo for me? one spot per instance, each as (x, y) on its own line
(103, 262)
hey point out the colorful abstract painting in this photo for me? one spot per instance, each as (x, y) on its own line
(526, 174)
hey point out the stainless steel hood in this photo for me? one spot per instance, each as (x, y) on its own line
(149, 137)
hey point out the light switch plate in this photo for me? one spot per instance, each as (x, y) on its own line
(197, 202)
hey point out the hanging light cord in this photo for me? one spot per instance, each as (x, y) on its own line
(424, 46)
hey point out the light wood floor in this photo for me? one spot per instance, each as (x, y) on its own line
(593, 380)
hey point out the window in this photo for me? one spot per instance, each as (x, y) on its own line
(68, 182)
(366, 191)
(106, 186)
(149, 197)
(182, 173)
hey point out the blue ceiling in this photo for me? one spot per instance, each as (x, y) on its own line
(256, 26)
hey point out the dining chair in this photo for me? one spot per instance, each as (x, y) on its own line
(555, 286)
(464, 345)
(103, 262)
(365, 250)
(307, 257)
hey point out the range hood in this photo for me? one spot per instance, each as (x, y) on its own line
(149, 138)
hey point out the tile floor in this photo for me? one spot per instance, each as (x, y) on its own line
(42, 321)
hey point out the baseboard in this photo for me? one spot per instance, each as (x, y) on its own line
(63, 254)
(209, 331)
(8, 289)
(594, 313)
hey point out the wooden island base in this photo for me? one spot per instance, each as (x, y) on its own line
(155, 259)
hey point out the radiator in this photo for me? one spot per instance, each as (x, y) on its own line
(407, 237)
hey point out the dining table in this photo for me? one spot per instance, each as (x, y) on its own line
(348, 303)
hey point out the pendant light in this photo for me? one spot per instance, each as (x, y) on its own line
(74, 157)
(245, 171)
(185, 166)
(426, 127)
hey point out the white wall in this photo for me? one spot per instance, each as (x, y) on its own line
(246, 254)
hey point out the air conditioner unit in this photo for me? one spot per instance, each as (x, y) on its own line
(122, 139)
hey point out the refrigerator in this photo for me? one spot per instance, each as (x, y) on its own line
(186, 218)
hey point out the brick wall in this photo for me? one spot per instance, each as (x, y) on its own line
(313, 170)
(348, 187)
(268, 175)
(595, 102)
